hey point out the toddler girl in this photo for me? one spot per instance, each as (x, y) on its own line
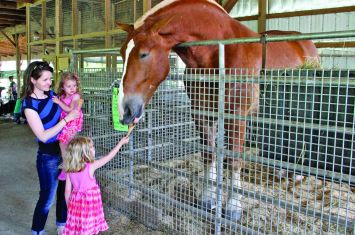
(69, 99)
(82, 194)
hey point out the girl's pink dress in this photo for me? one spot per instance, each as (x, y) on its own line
(85, 211)
(72, 127)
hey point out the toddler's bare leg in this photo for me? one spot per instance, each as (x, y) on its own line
(63, 147)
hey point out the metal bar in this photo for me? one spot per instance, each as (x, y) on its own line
(114, 50)
(166, 200)
(278, 38)
(131, 166)
(220, 138)
(266, 79)
(307, 170)
(250, 194)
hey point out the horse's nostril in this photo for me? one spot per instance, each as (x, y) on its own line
(127, 111)
(132, 109)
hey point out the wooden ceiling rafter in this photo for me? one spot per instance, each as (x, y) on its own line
(228, 5)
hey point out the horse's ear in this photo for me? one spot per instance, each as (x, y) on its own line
(159, 26)
(126, 27)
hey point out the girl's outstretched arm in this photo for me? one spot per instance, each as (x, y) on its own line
(102, 161)
(68, 189)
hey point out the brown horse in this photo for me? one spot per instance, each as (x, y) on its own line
(146, 65)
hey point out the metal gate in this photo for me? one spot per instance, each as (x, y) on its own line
(302, 129)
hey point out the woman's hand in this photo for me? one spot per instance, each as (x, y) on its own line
(55, 100)
(72, 115)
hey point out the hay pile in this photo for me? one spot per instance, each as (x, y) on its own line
(311, 193)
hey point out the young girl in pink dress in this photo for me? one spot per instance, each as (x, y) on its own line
(82, 194)
(69, 99)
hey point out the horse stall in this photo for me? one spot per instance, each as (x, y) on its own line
(302, 127)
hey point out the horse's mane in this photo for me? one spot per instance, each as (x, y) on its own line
(161, 5)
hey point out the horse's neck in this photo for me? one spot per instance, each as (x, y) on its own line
(206, 56)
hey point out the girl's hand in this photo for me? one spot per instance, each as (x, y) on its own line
(72, 115)
(124, 140)
(55, 100)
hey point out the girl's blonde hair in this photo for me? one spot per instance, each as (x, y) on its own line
(78, 154)
(68, 76)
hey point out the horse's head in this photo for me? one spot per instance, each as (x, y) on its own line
(146, 64)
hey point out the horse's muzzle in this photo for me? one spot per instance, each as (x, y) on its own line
(133, 110)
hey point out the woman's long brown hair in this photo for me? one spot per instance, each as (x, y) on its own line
(34, 70)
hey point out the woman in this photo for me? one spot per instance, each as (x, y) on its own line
(43, 115)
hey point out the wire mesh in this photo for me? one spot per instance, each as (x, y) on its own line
(67, 17)
(297, 174)
(36, 23)
(91, 16)
(50, 19)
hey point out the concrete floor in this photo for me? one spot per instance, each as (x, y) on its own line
(18, 180)
(19, 187)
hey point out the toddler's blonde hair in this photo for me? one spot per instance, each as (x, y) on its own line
(78, 154)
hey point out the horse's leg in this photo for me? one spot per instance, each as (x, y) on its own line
(208, 132)
(236, 143)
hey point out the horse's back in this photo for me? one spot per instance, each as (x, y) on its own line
(289, 54)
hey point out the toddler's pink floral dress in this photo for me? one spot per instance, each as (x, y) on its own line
(72, 127)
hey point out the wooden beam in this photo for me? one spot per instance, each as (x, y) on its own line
(6, 21)
(13, 12)
(19, 18)
(228, 6)
(12, 20)
(300, 13)
(8, 38)
(312, 12)
(8, 5)
(261, 16)
(25, 1)
(346, 44)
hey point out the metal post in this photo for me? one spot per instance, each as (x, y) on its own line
(263, 44)
(220, 138)
(150, 134)
(131, 155)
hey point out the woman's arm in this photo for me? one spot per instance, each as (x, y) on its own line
(34, 121)
(68, 189)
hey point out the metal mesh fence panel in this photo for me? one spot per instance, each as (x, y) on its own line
(91, 16)
(50, 19)
(127, 11)
(36, 23)
(67, 18)
(273, 155)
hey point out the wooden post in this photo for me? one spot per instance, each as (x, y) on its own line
(108, 27)
(18, 62)
(74, 13)
(262, 16)
(147, 5)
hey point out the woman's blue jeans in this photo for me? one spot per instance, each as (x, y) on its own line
(47, 169)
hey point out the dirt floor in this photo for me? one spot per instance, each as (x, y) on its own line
(19, 187)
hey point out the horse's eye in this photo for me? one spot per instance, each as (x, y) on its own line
(143, 55)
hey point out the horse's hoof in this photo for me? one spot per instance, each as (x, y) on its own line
(233, 215)
(207, 205)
